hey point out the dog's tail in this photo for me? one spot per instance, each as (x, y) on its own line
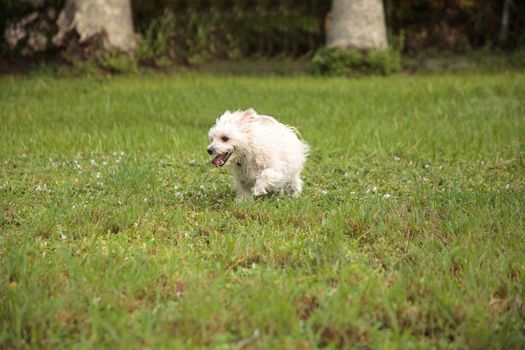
(305, 146)
(298, 134)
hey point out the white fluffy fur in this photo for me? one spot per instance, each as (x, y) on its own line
(266, 156)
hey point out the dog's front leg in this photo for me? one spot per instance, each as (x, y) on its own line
(269, 180)
(242, 190)
(241, 194)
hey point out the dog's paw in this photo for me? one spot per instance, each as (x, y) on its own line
(243, 198)
(259, 190)
(295, 194)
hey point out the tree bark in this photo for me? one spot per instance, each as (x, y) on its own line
(88, 18)
(357, 24)
(504, 30)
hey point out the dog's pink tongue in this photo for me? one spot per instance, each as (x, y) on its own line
(218, 160)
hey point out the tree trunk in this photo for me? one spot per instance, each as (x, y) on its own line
(111, 18)
(357, 24)
(504, 30)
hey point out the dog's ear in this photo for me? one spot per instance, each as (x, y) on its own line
(247, 116)
(227, 112)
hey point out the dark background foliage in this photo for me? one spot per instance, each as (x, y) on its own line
(456, 25)
(295, 27)
(194, 30)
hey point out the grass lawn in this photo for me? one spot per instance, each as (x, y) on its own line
(116, 231)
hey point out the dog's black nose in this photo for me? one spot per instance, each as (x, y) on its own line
(210, 150)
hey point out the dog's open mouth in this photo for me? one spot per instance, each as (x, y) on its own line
(221, 159)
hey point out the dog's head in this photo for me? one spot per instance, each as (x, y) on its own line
(229, 136)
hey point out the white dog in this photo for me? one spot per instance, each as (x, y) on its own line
(263, 154)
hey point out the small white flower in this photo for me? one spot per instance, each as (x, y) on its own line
(352, 193)
(507, 187)
(93, 162)
(192, 162)
(324, 191)
(98, 175)
(145, 200)
(104, 163)
(178, 194)
(397, 158)
(73, 207)
(387, 196)
(63, 236)
(122, 154)
(136, 224)
(99, 183)
(426, 166)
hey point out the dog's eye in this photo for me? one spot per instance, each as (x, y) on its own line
(225, 138)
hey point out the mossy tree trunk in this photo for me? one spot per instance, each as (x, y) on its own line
(356, 24)
(504, 29)
(89, 18)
